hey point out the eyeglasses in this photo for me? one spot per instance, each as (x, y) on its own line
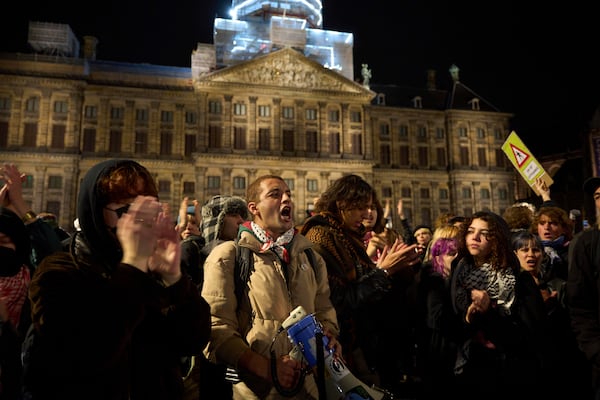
(120, 211)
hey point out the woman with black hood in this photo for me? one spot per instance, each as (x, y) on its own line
(114, 316)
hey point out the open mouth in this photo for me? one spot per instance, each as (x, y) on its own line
(286, 212)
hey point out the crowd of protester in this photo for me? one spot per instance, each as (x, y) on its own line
(140, 304)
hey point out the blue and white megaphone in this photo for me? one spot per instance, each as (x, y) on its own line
(340, 384)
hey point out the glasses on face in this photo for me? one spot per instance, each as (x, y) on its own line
(120, 211)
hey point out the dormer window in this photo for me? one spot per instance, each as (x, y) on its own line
(417, 102)
(381, 99)
(474, 104)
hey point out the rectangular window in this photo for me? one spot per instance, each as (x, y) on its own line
(89, 140)
(287, 112)
(480, 133)
(464, 156)
(290, 182)
(214, 137)
(3, 134)
(61, 107)
(239, 182)
(141, 115)
(312, 185)
(30, 134)
(423, 157)
(482, 157)
(424, 192)
(189, 188)
(239, 138)
(384, 132)
(117, 113)
(213, 182)
(500, 158)
(356, 143)
(355, 116)
(334, 116)
(90, 112)
(334, 143)
(5, 103)
(55, 182)
(264, 139)
(166, 116)
(443, 194)
(466, 193)
(53, 207)
(403, 132)
(58, 136)
(440, 133)
(421, 133)
(484, 193)
(166, 143)
(264, 111)
(190, 144)
(311, 114)
(28, 182)
(406, 192)
(32, 105)
(502, 194)
(141, 142)
(386, 191)
(239, 109)
(440, 154)
(288, 140)
(191, 117)
(164, 186)
(462, 132)
(311, 142)
(214, 107)
(114, 145)
(404, 156)
(498, 134)
(384, 154)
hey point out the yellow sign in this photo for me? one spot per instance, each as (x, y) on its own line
(522, 159)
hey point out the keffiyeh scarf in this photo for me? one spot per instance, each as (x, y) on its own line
(279, 246)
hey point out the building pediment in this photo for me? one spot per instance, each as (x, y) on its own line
(285, 68)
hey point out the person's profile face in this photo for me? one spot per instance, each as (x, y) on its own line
(231, 225)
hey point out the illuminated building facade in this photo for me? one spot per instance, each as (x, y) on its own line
(272, 94)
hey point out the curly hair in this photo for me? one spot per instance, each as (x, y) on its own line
(347, 193)
(501, 255)
(519, 217)
(556, 215)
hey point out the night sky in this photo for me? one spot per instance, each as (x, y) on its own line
(539, 64)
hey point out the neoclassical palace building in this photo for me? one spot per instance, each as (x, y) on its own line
(285, 102)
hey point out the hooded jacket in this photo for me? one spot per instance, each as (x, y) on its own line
(103, 329)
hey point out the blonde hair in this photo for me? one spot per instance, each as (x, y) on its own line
(443, 232)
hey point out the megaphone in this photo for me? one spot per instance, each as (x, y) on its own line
(340, 384)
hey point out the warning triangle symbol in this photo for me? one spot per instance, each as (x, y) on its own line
(520, 155)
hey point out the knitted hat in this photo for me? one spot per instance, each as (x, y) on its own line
(214, 211)
(422, 227)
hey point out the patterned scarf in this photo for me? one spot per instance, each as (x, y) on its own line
(14, 290)
(279, 246)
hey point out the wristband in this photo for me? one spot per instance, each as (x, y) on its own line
(29, 215)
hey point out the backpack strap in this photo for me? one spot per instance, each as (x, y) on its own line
(244, 265)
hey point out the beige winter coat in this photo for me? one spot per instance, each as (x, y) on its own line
(268, 304)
